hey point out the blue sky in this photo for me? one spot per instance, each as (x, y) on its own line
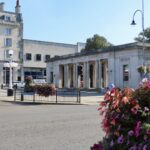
(72, 21)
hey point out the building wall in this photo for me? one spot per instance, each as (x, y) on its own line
(44, 48)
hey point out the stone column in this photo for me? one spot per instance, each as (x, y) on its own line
(84, 74)
(105, 75)
(60, 76)
(66, 75)
(15, 74)
(100, 74)
(75, 79)
(97, 73)
(22, 73)
(87, 75)
(2, 74)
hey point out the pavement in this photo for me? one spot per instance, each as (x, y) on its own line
(26, 126)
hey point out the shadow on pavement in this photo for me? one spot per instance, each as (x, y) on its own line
(39, 103)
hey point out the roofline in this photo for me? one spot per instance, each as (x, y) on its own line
(103, 50)
(47, 42)
(9, 12)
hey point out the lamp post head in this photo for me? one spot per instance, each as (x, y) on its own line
(10, 52)
(133, 22)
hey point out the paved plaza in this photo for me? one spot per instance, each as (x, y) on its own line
(28, 126)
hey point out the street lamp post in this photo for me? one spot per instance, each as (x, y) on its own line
(10, 52)
(10, 65)
(133, 23)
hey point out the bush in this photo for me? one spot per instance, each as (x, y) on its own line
(126, 119)
(45, 90)
(28, 81)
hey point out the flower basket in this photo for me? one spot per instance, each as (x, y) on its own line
(28, 80)
(148, 69)
(141, 69)
(126, 119)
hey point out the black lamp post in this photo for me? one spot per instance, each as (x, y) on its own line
(134, 23)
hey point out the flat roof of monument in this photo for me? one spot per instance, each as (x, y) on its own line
(103, 50)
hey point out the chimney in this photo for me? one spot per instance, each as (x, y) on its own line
(2, 6)
(17, 8)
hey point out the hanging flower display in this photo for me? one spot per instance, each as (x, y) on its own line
(126, 119)
(142, 69)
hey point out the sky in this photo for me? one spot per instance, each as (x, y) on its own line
(72, 21)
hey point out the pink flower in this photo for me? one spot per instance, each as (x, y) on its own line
(137, 129)
(125, 100)
(148, 84)
(148, 131)
(134, 110)
(146, 109)
(145, 147)
(98, 147)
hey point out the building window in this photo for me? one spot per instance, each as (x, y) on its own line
(38, 57)
(6, 18)
(45, 72)
(47, 58)
(51, 77)
(7, 31)
(8, 42)
(125, 73)
(7, 54)
(28, 56)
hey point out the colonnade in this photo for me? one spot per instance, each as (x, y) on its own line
(90, 74)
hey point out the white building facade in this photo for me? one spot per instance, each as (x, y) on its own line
(11, 32)
(97, 69)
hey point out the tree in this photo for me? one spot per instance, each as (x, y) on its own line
(146, 35)
(96, 42)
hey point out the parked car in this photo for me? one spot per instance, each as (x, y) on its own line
(39, 81)
(18, 84)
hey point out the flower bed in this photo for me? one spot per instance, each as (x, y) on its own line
(126, 119)
(45, 90)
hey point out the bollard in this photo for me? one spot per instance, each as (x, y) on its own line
(56, 96)
(22, 97)
(79, 96)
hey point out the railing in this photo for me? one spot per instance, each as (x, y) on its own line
(60, 96)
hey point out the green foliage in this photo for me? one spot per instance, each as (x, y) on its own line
(146, 36)
(28, 81)
(96, 42)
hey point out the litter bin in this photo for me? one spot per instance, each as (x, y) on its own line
(10, 92)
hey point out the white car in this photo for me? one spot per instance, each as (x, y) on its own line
(18, 84)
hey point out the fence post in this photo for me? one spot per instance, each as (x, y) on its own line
(56, 96)
(14, 94)
(22, 95)
(79, 96)
(34, 96)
